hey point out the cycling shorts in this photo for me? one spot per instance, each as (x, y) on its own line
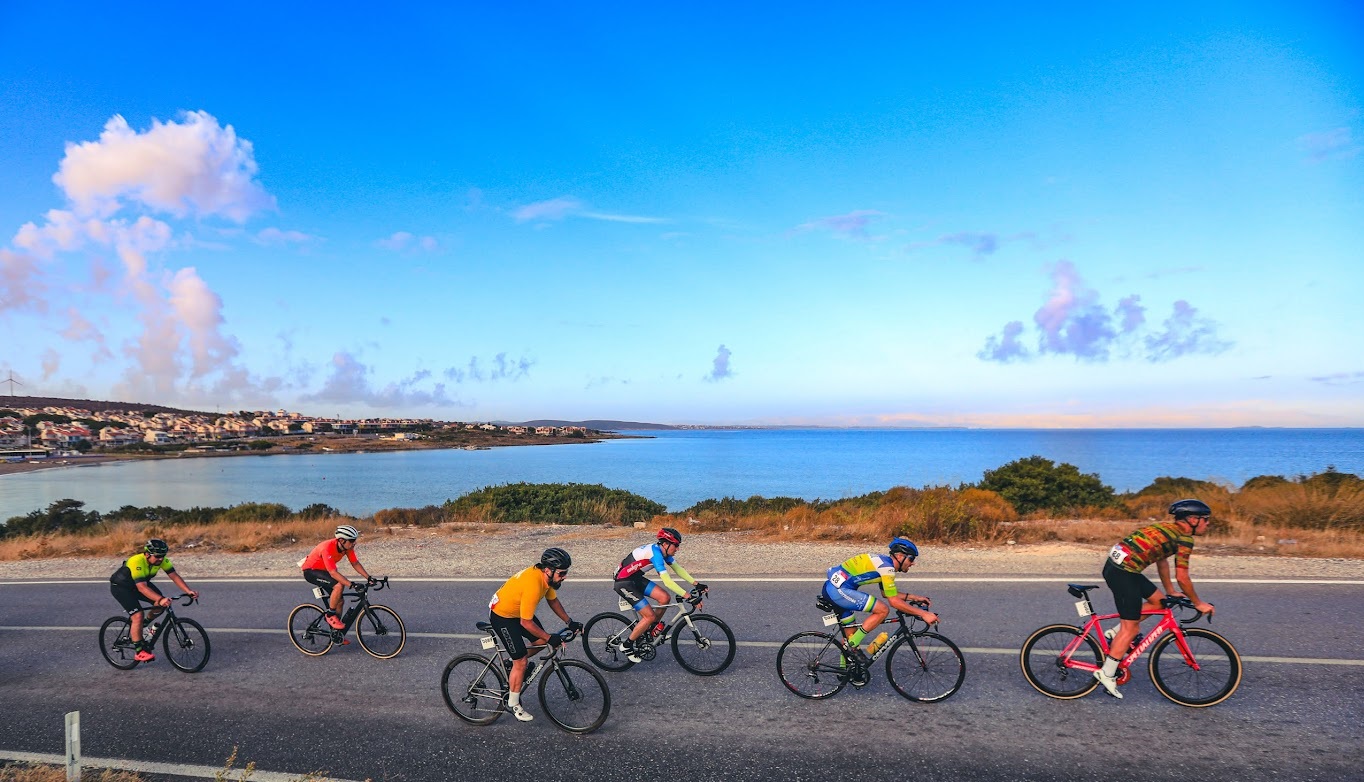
(130, 597)
(320, 578)
(635, 590)
(512, 635)
(848, 600)
(1130, 590)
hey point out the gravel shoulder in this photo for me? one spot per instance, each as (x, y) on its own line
(498, 551)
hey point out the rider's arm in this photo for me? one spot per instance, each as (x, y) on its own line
(676, 568)
(180, 582)
(360, 568)
(902, 604)
(1163, 566)
(1186, 584)
(661, 566)
(149, 593)
(558, 609)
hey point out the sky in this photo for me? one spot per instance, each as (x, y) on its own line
(1093, 215)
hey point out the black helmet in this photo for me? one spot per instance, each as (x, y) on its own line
(156, 547)
(1184, 508)
(556, 558)
(670, 535)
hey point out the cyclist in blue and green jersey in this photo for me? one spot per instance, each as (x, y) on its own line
(131, 585)
(846, 580)
(636, 589)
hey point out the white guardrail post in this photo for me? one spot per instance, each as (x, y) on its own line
(73, 746)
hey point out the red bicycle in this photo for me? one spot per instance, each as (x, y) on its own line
(1191, 666)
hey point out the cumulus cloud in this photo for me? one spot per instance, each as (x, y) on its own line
(1073, 322)
(563, 207)
(349, 383)
(194, 166)
(1334, 144)
(501, 368)
(402, 241)
(852, 225)
(719, 369)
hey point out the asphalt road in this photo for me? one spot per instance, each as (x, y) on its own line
(1295, 716)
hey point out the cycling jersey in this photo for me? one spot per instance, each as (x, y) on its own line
(863, 569)
(137, 570)
(325, 555)
(650, 557)
(519, 597)
(1149, 545)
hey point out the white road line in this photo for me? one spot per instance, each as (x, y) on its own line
(753, 644)
(745, 580)
(148, 767)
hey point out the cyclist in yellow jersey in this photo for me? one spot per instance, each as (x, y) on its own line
(131, 585)
(1153, 544)
(845, 580)
(512, 615)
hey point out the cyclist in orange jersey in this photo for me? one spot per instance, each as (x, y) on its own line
(320, 569)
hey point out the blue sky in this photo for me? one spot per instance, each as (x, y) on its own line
(896, 215)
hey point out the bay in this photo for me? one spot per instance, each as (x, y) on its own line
(679, 468)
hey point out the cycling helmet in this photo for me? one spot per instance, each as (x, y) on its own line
(670, 535)
(904, 546)
(156, 547)
(347, 532)
(1184, 508)
(556, 558)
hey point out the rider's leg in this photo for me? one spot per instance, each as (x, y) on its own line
(880, 609)
(335, 601)
(647, 615)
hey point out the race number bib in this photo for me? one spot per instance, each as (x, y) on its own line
(838, 578)
(1118, 554)
(492, 602)
(830, 620)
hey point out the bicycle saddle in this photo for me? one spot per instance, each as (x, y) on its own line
(823, 603)
(1078, 590)
(484, 626)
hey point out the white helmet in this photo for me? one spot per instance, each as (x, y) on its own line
(347, 532)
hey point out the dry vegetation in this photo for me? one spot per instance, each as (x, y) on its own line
(124, 537)
(23, 772)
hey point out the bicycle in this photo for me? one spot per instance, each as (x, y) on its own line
(379, 628)
(186, 644)
(818, 665)
(1192, 667)
(573, 695)
(703, 644)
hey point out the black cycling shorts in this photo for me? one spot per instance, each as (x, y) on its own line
(320, 578)
(634, 590)
(130, 597)
(512, 635)
(1130, 590)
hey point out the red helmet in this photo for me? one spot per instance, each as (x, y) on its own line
(670, 535)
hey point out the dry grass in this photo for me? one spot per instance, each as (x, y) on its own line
(23, 772)
(126, 537)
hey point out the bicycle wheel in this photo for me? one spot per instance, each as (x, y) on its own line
(309, 630)
(705, 647)
(574, 696)
(1045, 664)
(115, 645)
(812, 665)
(186, 645)
(925, 668)
(474, 688)
(381, 632)
(1217, 677)
(599, 635)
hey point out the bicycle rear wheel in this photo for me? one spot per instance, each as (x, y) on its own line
(381, 632)
(1217, 677)
(115, 643)
(186, 645)
(474, 688)
(1046, 665)
(600, 635)
(574, 696)
(812, 665)
(705, 647)
(309, 630)
(925, 668)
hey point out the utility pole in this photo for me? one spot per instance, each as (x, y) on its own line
(12, 382)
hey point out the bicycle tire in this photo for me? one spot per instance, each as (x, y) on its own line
(477, 703)
(812, 665)
(382, 637)
(598, 634)
(934, 674)
(309, 630)
(1046, 670)
(574, 696)
(706, 647)
(186, 645)
(115, 643)
(1218, 675)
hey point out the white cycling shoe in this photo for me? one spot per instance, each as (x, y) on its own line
(1110, 684)
(520, 713)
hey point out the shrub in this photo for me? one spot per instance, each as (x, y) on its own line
(429, 516)
(61, 516)
(564, 503)
(1035, 483)
(256, 511)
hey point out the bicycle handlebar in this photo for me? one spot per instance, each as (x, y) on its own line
(1184, 604)
(185, 600)
(374, 583)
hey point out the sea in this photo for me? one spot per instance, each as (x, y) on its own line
(679, 468)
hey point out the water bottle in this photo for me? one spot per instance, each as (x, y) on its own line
(876, 645)
(148, 630)
(658, 629)
(1110, 632)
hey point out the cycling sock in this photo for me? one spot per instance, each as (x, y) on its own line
(514, 699)
(1110, 668)
(857, 637)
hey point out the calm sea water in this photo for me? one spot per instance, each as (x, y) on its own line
(680, 468)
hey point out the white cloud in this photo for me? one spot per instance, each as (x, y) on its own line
(567, 206)
(403, 241)
(272, 237)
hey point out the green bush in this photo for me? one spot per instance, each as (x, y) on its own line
(1263, 482)
(60, 516)
(1036, 483)
(563, 503)
(729, 506)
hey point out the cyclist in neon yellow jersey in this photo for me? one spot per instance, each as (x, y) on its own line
(845, 582)
(131, 585)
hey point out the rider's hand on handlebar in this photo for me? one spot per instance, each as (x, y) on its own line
(371, 580)
(929, 617)
(163, 602)
(193, 594)
(575, 627)
(555, 640)
(1206, 608)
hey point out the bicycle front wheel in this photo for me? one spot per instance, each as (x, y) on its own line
(1047, 667)
(601, 634)
(115, 643)
(925, 668)
(812, 665)
(474, 688)
(381, 632)
(574, 696)
(704, 647)
(1216, 678)
(309, 630)
(186, 645)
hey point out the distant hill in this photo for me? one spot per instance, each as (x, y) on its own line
(600, 425)
(93, 405)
